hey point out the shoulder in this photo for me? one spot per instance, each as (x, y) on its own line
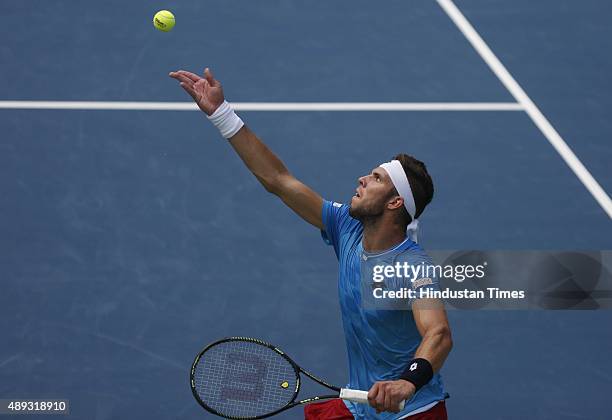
(413, 253)
(338, 214)
(338, 224)
(335, 207)
(423, 267)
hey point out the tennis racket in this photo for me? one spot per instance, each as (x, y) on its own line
(245, 378)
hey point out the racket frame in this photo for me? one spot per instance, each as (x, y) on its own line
(297, 369)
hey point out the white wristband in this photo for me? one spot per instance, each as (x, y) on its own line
(226, 120)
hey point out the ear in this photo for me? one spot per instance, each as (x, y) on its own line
(395, 202)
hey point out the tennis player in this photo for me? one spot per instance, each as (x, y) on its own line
(395, 354)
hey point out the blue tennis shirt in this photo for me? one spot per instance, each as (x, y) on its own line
(379, 342)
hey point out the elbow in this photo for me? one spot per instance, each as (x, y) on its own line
(269, 186)
(273, 183)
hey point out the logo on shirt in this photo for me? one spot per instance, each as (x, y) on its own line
(421, 282)
(336, 204)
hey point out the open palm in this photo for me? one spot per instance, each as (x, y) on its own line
(205, 91)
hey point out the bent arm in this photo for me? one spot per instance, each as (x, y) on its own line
(432, 323)
(275, 177)
(430, 318)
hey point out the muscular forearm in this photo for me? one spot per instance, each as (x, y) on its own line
(266, 166)
(275, 177)
(435, 347)
(260, 160)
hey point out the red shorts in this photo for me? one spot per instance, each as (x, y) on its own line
(336, 410)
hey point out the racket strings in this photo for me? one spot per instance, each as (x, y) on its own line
(243, 379)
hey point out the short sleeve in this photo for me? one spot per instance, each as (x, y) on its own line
(337, 221)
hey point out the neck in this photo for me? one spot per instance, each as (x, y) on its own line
(381, 235)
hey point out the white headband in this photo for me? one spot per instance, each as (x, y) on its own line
(400, 181)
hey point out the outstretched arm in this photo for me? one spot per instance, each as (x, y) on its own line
(207, 92)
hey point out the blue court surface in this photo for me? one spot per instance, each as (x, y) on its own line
(129, 239)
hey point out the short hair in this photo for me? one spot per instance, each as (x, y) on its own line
(420, 183)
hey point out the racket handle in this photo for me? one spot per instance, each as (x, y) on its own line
(360, 397)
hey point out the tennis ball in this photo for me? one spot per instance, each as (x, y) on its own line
(164, 20)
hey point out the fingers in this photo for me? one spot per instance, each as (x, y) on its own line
(373, 393)
(186, 75)
(193, 91)
(387, 403)
(190, 91)
(380, 399)
(393, 403)
(188, 81)
(201, 87)
(182, 78)
(203, 83)
(384, 397)
(189, 77)
(376, 396)
(211, 79)
(208, 75)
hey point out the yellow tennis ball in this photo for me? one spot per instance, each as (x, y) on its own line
(164, 20)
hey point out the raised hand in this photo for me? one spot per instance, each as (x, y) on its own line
(206, 91)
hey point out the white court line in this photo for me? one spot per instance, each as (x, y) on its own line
(269, 106)
(530, 108)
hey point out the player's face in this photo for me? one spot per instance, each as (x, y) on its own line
(371, 195)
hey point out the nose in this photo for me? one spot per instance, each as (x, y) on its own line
(362, 181)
